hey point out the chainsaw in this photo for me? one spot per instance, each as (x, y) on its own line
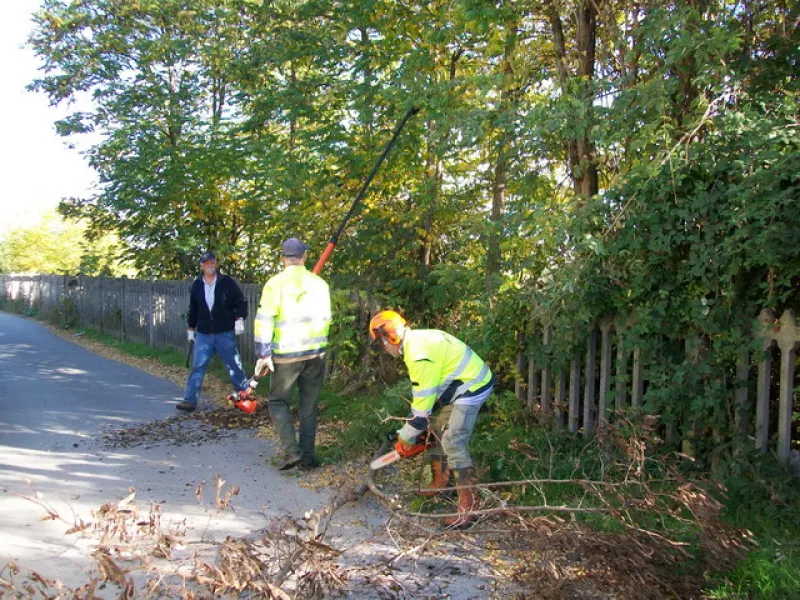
(424, 442)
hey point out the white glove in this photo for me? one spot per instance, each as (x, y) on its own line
(190, 335)
(264, 365)
(238, 327)
(409, 434)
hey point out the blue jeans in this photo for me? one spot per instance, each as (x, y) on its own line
(205, 346)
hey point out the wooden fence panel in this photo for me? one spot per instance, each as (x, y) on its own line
(582, 396)
(590, 385)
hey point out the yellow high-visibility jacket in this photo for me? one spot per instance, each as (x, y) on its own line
(442, 369)
(294, 316)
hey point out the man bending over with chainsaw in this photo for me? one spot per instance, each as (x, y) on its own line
(447, 377)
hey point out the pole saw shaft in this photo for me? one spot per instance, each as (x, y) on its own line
(335, 237)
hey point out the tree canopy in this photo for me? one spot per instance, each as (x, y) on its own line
(571, 159)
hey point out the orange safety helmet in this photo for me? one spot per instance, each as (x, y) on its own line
(386, 324)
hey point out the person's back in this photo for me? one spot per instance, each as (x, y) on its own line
(302, 314)
(291, 335)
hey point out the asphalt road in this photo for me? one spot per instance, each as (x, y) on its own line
(56, 399)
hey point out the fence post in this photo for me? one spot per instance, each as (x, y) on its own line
(590, 384)
(787, 338)
(561, 395)
(764, 321)
(546, 375)
(151, 319)
(574, 394)
(692, 350)
(605, 373)
(637, 386)
(533, 383)
(123, 311)
(101, 299)
(622, 369)
(742, 415)
(519, 385)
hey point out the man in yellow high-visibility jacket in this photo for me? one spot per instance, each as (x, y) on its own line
(446, 375)
(291, 337)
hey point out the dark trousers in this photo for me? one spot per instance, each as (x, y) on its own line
(309, 375)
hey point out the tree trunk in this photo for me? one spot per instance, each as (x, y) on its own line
(500, 174)
(580, 150)
(586, 183)
(434, 172)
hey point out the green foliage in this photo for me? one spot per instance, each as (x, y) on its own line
(50, 246)
(12, 306)
(65, 314)
(57, 246)
(347, 335)
(763, 498)
(231, 125)
(362, 421)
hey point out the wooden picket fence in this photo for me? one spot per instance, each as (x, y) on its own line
(153, 312)
(581, 397)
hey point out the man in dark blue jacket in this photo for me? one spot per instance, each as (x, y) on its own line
(217, 310)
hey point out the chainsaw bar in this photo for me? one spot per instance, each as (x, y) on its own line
(385, 460)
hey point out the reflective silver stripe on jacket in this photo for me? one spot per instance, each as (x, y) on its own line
(299, 320)
(296, 343)
(425, 392)
(265, 319)
(439, 389)
(465, 386)
(458, 371)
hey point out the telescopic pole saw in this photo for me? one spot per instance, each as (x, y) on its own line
(335, 237)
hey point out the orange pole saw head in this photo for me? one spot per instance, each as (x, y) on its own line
(247, 406)
(245, 401)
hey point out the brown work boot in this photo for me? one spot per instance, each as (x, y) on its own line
(441, 479)
(467, 499)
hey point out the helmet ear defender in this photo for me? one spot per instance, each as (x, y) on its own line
(390, 337)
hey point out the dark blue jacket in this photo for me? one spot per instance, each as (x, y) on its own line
(229, 305)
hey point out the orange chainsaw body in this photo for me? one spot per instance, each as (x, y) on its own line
(403, 451)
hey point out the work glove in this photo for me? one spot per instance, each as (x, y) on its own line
(190, 335)
(409, 450)
(238, 327)
(264, 365)
(408, 434)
